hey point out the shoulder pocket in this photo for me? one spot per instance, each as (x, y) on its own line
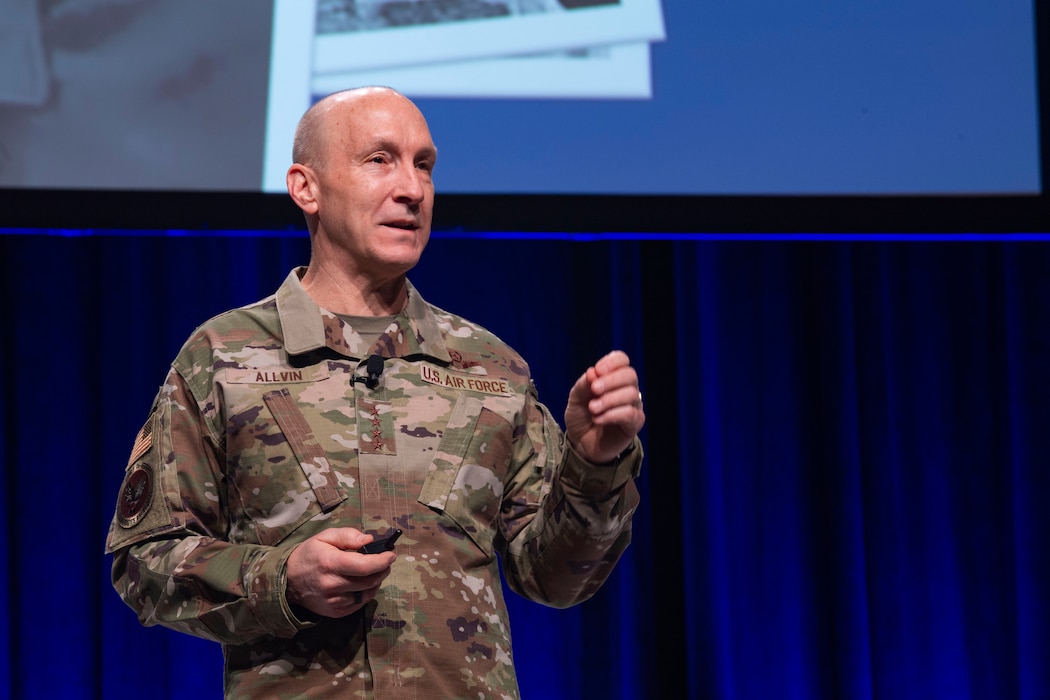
(279, 487)
(142, 509)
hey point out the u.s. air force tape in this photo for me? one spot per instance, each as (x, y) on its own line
(468, 382)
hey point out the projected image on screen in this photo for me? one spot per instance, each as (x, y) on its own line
(137, 94)
(553, 49)
(619, 72)
(362, 15)
(458, 49)
(23, 80)
(358, 35)
(635, 97)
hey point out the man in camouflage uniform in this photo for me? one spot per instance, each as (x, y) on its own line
(292, 431)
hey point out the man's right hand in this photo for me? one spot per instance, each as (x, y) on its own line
(328, 577)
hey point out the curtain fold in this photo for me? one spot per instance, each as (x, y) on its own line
(846, 478)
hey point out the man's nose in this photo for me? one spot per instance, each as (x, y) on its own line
(410, 184)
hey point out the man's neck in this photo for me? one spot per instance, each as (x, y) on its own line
(354, 296)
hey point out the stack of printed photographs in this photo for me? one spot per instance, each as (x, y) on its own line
(513, 49)
(488, 48)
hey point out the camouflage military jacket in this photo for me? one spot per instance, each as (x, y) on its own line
(266, 432)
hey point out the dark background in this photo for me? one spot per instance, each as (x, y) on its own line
(844, 485)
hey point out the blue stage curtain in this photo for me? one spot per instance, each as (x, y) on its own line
(846, 478)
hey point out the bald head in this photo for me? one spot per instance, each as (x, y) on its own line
(310, 144)
(363, 176)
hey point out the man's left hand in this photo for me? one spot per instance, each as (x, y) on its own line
(604, 413)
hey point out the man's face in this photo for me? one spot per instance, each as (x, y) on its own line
(376, 192)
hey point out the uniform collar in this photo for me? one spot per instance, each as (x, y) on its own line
(310, 330)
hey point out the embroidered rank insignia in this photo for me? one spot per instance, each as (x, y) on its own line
(376, 427)
(136, 496)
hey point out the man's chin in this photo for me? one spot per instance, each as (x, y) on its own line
(403, 262)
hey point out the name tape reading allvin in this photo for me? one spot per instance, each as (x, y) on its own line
(276, 375)
(468, 382)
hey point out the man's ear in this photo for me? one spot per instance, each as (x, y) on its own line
(300, 180)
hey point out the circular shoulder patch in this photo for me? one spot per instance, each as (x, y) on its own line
(136, 495)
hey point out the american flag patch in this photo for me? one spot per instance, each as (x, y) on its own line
(143, 441)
